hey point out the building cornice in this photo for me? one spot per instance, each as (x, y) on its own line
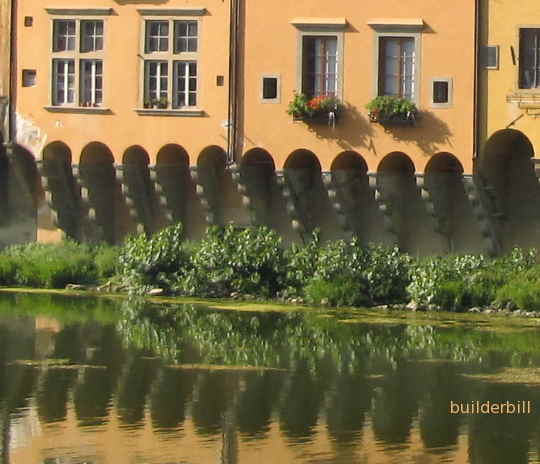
(80, 11)
(172, 11)
(397, 24)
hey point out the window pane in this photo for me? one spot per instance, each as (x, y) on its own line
(63, 35)
(320, 64)
(92, 36)
(185, 84)
(156, 80)
(63, 81)
(157, 36)
(529, 58)
(185, 36)
(397, 63)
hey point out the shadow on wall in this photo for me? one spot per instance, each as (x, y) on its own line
(352, 129)
(24, 193)
(429, 133)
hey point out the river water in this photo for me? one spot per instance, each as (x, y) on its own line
(95, 381)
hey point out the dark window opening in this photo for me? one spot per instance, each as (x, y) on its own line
(529, 58)
(440, 92)
(28, 77)
(270, 88)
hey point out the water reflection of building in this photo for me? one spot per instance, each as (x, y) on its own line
(318, 409)
(46, 328)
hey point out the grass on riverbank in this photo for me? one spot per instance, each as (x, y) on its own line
(231, 263)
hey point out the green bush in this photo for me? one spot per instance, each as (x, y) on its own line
(522, 290)
(53, 265)
(147, 262)
(338, 292)
(381, 274)
(8, 270)
(459, 282)
(106, 260)
(229, 259)
(301, 262)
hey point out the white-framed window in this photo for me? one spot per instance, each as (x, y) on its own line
(63, 82)
(92, 81)
(185, 84)
(170, 63)
(397, 62)
(320, 66)
(77, 62)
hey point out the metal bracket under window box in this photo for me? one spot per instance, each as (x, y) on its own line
(329, 119)
(396, 119)
(168, 112)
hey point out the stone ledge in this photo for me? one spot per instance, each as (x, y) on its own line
(167, 112)
(78, 109)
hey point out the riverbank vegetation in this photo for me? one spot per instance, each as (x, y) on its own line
(252, 263)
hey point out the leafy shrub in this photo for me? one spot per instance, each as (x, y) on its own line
(53, 265)
(522, 290)
(229, 259)
(301, 262)
(459, 282)
(106, 260)
(338, 292)
(381, 274)
(8, 270)
(146, 262)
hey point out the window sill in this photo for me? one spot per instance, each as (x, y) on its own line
(168, 112)
(78, 109)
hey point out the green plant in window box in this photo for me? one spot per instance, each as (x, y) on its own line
(148, 103)
(322, 108)
(391, 110)
(163, 103)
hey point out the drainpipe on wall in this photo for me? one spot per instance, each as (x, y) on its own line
(476, 107)
(234, 61)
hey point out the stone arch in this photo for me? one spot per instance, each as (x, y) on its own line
(218, 192)
(257, 173)
(23, 191)
(99, 179)
(506, 175)
(349, 160)
(56, 169)
(4, 180)
(172, 172)
(312, 208)
(350, 188)
(452, 210)
(413, 228)
(136, 177)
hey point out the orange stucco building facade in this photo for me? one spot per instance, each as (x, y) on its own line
(130, 115)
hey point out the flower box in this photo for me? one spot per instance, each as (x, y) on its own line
(395, 119)
(318, 110)
(392, 111)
